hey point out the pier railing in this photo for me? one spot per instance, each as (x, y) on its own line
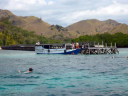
(88, 48)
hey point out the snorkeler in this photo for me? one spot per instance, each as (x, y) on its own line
(30, 70)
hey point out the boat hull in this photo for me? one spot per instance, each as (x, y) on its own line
(48, 51)
(44, 49)
(77, 51)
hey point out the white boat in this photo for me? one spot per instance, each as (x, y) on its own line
(56, 49)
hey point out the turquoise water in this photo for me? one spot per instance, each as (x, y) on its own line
(63, 75)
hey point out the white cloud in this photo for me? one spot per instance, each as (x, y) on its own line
(112, 11)
(50, 3)
(24, 4)
(115, 9)
(65, 12)
(41, 2)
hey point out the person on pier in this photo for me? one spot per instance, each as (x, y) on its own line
(77, 45)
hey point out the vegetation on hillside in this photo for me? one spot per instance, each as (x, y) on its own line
(12, 35)
(58, 32)
(119, 38)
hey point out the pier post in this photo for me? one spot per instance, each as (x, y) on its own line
(106, 49)
(115, 45)
(102, 42)
(111, 45)
(88, 45)
(99, 49)
(94, 43)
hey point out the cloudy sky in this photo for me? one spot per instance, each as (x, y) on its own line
(66, 12)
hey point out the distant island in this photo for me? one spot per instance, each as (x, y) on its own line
(28, 30)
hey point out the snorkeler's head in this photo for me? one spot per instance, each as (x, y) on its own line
(30, 69)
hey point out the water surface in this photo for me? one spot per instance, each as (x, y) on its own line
(63, 75)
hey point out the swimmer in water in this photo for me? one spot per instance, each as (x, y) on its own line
(19, 71)
(30, 70)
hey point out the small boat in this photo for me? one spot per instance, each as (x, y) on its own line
(56, 49)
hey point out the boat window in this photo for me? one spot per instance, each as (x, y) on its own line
(46, 46)
(52, 46)
(69, 47)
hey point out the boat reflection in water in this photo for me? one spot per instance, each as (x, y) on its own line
(56, 49)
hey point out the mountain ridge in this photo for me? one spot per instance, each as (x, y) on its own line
(84, 27)
(93, 26)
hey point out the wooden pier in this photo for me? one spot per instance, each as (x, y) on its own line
(99, 49)
(19, 47)
(87, 48)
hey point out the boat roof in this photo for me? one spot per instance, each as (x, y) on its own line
(57, 44)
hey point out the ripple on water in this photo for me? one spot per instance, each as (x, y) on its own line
(20, 76)
(70, 86)
(76, 92)
(55, 78)
(63, 75)
(2, 88)
(13, 85)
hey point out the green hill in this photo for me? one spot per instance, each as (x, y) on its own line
(57, 32)
(37, 25)
(93, 26)
(13, 35)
